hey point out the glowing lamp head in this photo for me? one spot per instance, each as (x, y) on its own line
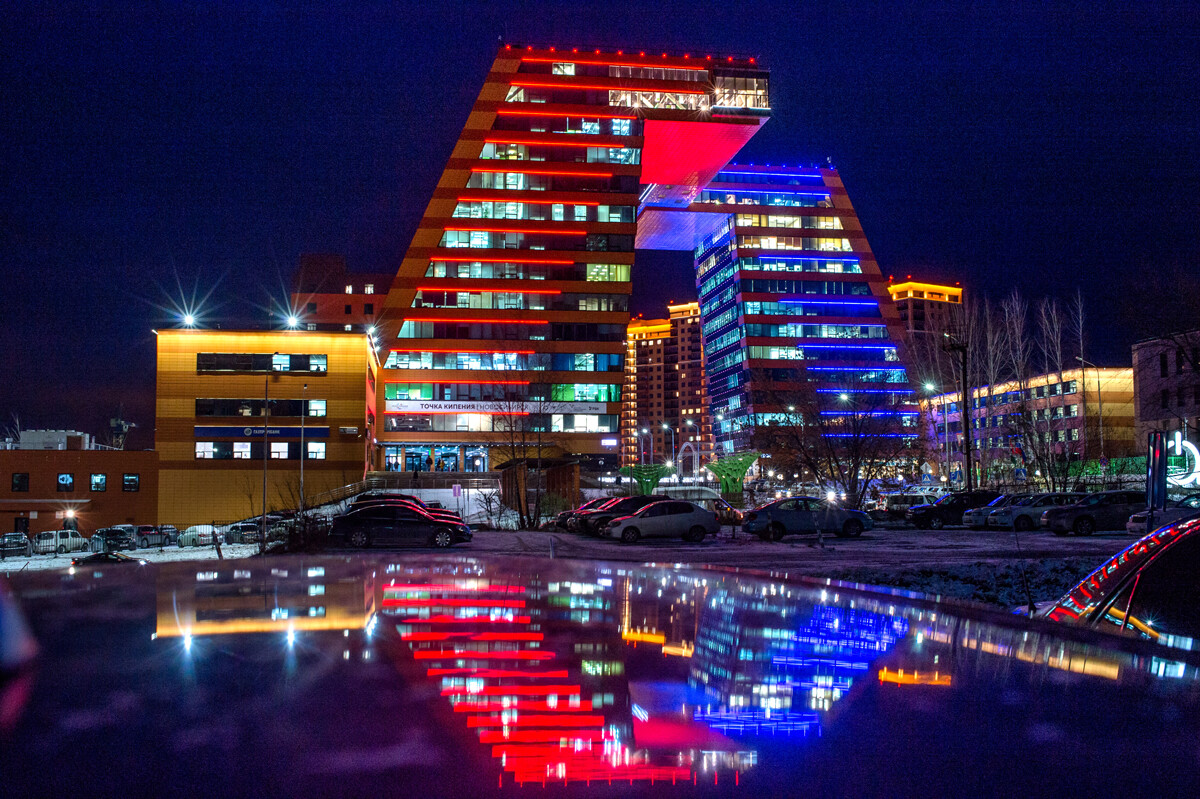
(930, 386)
(292, 321)
(830, 496)
(70, 513)
(189, 320)
(843, 397)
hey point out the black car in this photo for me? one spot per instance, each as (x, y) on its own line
(1147, 590)
(595, 520)
(948, 510)
(107, 558)
(374, 496)
(397, 524)
(437, 513)
(111, 539)
(15, 544)
(564, 519)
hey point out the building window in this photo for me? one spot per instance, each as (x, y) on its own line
(1179, 397)
(131, 482)
(348, 327)
(369, 288)
(316, 450)
(205, 449)
(369, 308)
(20, 482)
(279, 450)
(348, 311)
(1179, 361)
(1162, 364)
(241, 450)
(1164, 399)
(99, 482)
(281, 362)
(316, 407)
(349, 289)
(66, 482)
(312, 307)
(312, 325)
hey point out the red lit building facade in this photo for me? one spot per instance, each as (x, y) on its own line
(327, 297)
(506, 319)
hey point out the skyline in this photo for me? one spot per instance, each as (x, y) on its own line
(213, 146)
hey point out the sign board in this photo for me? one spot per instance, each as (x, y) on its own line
(257, 432)
(609, 442)
(348, 431)
(442, 406)
(1189, 474)
(927, 478)
(457, 489)
(1020, 475)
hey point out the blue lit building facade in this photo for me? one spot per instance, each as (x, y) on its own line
(790, 293)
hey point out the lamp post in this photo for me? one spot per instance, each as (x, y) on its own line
(666, 426)
(944, 445)
(695, 453)
(262, 527)
(303, 452)
(1099, 401)
(642, 447)
(954, 345)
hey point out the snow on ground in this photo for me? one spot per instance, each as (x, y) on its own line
(153, 555)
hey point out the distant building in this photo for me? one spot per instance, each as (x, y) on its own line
(925, 307)
(49, 487)
(1166, 375)
(213, 387)
(1070, 415)
(327, 297)
(665, 384)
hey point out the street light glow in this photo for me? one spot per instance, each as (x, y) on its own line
(930, 387)
(292, 321)
(843, 397)
(189, 320)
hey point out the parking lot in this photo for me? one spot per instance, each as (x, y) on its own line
(878, 548)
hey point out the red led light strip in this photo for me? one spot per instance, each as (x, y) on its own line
(437, 636)
(523, 200)
(519, 112)
(465, 706)
(454, 603)
(511, 140)
(603, 87)
(443, 619)
(564, 720)
(569, 232)
(508, 589)
(537, 736)
(463, 383)
(496, 674)
(515, 690)
(467, 654)
(493, 290)
(542, 172)
(509, 261)
(466, 352)
(573, 60)
(482, 321)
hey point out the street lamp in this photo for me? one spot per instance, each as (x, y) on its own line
(666, 426)
(189, 320)
(931, 388)
(965, 415)
(1099, 399)
(303, 452)
(292, 321)
(646, 432)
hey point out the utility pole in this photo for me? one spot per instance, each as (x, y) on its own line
(262, 541)
(303, 452)
(954, 345)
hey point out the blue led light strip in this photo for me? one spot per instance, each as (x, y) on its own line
(772, 174)
(780, 190)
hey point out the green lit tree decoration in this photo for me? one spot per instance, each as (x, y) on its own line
(731, 470)
(646, 477)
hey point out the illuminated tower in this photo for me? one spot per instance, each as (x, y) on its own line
(503, 334)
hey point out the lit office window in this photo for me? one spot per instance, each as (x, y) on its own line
(99, 482)
(316, 450)
(66, 482)
(349, 289)
(241, 450)
(131, 482)
(279, 450)
(369, 288)
(316, 407)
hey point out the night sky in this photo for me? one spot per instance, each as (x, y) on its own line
(196, 149)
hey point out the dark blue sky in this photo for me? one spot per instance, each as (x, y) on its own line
(1044, 146)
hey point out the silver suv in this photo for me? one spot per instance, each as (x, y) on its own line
(676, 519)
(1024, 514)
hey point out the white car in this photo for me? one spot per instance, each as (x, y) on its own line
(198, 535)
(1180, 509)
(59, 541)
(675, 519)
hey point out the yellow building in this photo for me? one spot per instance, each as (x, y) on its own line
(925, 307)
(230, 404)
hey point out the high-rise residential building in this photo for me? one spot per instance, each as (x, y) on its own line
(792, 302)
(926, 307)
(665, 392)
(504, 329)
(326, 296)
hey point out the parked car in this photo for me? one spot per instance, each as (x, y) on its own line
(198, 535)
(1025, 514)
(371, 496)
(805, 515)
(1180, 509)
(397, 524)
(894, 505)
(439, 513)
(1107, 510)
(149, 535)
(674, 519)
(59, 541)
(976, 518)
(595, 520)
(1147, 590)
(240, 532)
(947, 510)
(562, 521)
(112, 539)
(15, 544)
(107, 558)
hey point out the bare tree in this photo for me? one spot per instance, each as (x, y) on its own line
(521, 419)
